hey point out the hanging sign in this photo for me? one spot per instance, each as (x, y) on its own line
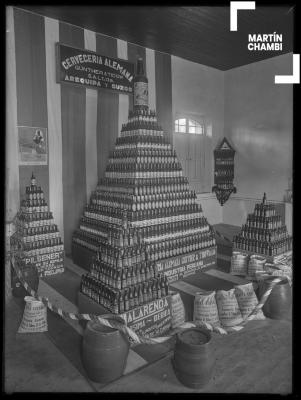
(92, 70)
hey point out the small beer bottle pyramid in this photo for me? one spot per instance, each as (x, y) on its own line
(37, 235)
(264, 233)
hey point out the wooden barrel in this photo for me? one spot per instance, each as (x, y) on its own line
(278, 304)
(193, 358)
(31, 276)
(104, 352)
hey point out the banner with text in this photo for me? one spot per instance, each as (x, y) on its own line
(87, 68)
(47, 264)
(177, 268)
(151, 319)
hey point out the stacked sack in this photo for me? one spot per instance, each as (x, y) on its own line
(257, 267)
(226, 308)
(239, 263)
(177, 310)
(242, 264)
(34, 317)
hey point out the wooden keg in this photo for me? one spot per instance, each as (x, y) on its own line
(193, 358)
(278, 304)
(104, 351)
(31, 276)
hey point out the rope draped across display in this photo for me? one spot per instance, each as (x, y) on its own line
(112, 321)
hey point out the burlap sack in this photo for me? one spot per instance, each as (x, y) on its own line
(205, 309)
(228, 309)
(256, 265)
(247, 301)
(239, 263)
(177, 310)
(34, 316)
(280, 270)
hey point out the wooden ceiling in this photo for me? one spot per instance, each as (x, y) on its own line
(200, 34)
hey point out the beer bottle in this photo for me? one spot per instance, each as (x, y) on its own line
(140, 87)
(121, 302)
(136, 299)
(142, 272)
(126, 300)
(140, 295)
(124, 278)
(145, 294)
(130, 276)
(118, 280)
(131, 299)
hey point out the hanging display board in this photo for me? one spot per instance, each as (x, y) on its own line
(87, 68)
(223, 171)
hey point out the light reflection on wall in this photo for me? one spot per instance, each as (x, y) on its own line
(258, 121)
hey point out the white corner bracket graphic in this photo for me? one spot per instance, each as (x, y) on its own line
(290, 79)
(239, 5)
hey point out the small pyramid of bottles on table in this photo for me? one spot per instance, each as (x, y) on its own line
(263, 233)
(143, 188)
(37, 240)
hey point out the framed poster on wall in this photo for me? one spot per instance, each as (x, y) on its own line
(33, 145)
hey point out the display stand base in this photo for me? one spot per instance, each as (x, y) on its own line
(270, 259)
(150, 320)
(82, 256)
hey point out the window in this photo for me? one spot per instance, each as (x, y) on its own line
(186, 125)
(193, 145)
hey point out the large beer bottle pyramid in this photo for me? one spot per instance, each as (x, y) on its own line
(263, 233)
(37, 240)
(144, 180)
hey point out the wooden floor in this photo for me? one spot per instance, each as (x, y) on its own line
(255, 360)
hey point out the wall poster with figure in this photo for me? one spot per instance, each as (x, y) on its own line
(33, 145)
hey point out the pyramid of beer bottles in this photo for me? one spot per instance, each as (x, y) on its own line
(144, 186)
(37, 240)
(263, 233)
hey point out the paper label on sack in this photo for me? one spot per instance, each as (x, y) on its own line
(34, 316)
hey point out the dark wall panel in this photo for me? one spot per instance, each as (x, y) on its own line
(31, 86)
(73, 104)
(135, 51)
(164, 91)
(107, 109)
